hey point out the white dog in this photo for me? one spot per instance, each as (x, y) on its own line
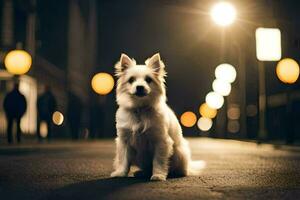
(148, 132)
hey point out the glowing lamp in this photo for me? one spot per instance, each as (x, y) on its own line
(57, 118)
(223, 13)
(43, 129)
(221, 87)
(18, 62)
(188, 119)
(268, 44)
(204, 124)
(102, 83)
(207, 111)
(214, 100)
(225, 72)
(287, 70)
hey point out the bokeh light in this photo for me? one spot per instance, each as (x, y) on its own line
(206, 111)
(43, 129)
(225, 72)
(222, 87)
(223, 13)
(251, 110)
(18, 62)
(287, 70)
(233, 112)
(57, 118)
(233, 126)
(204, 124)
(214, 100)
(188, 119)
(102, 83)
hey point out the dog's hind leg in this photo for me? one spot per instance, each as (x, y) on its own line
(179, 162)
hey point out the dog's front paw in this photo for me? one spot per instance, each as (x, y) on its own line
(118, 174)
(158, 177)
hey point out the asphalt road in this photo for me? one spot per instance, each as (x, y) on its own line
(66, 170)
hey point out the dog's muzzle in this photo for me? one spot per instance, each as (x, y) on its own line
(140, 91)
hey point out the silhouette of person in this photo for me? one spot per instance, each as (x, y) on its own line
(74, 114)
(46, 105)
(14, 106)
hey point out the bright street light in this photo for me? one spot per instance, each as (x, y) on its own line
(18, 62)
(223, 13)
(268, 44)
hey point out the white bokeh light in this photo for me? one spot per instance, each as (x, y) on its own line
(204, 124)
(214, 100)
(223, 13)
(225, 72)
(221, 87)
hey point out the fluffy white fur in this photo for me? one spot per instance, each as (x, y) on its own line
(148, 132)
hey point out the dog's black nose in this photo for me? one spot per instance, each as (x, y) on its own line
(140, 91)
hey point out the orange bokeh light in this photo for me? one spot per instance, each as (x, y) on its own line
(188, 119)
(207, 111)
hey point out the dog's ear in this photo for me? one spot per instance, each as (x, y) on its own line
(123, 64)
(156, 64)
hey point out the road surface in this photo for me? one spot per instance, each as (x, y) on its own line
(80, 170)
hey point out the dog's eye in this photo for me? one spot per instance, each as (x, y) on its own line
(148, 79)
(131, 80)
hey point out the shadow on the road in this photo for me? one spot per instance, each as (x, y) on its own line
(97, 189)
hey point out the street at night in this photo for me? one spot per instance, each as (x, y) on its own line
(98, 98)
(66, 170)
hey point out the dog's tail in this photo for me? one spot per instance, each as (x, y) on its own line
(196, 167)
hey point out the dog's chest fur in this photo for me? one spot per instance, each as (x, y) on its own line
(139, 124)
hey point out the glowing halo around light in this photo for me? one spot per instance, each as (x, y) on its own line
(102, 83)
(214, 100)
(223, 13)
(188, 119)
(206, 111)
(204, 124)
(225, 72)
(18, 62)
(57, 118)
(287, 70)
(221, 87)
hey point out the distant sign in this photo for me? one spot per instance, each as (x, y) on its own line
(268, 44)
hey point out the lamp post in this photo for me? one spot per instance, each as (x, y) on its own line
(224, 14)
(268, 48)
(288, 71)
